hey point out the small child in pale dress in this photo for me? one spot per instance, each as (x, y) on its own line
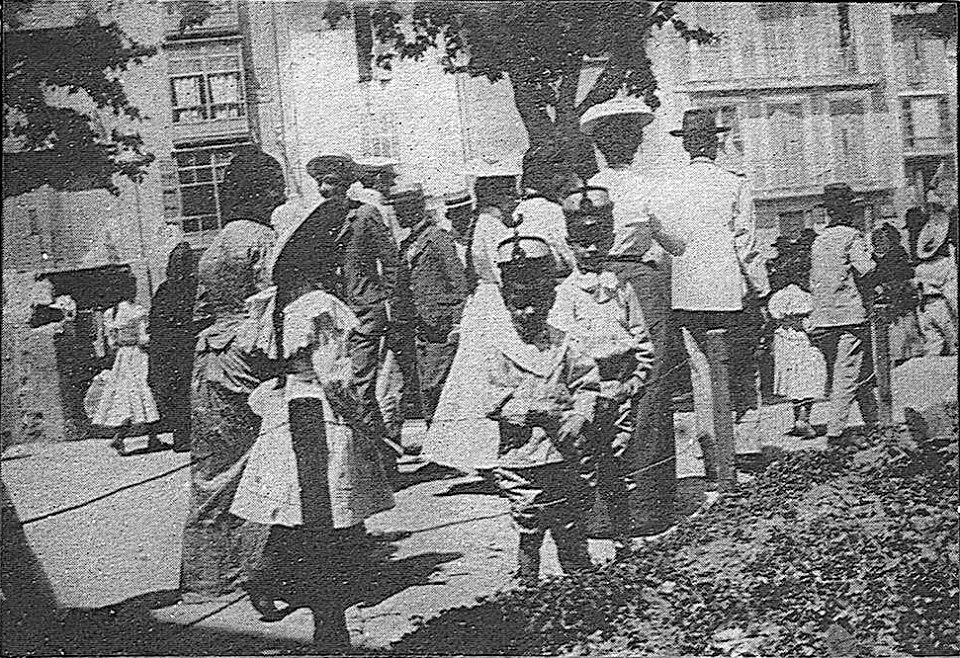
(126, 401)
(800, 370)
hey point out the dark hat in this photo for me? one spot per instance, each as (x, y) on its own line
(403, 194)
(589, 215)
(341, 166)
(836, 195)
(525, 259)
(458, 199)
(698, 121)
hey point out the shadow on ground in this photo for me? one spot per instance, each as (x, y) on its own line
(129, 627)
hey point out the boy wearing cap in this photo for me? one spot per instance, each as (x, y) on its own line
(543, 391)
(840, 259)
(603, 316)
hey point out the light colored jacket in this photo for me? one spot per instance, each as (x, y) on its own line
(838, 256)
(713, 209)
(533, 393)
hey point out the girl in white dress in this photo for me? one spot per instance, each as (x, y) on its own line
(800, 370)
(126, 400)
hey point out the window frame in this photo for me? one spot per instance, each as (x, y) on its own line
(205, 52)
(174, 185)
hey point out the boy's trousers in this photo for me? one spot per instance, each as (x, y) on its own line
(847, 350)
(549, 497)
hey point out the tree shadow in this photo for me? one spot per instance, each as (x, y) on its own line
(475, 487)
(426, 473)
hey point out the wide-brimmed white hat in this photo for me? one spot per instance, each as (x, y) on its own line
(932, 236)
(615, 107)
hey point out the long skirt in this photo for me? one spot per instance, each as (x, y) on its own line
(312, 563)
(223, 430)
(171, 368)
(127, 397)
(649, 460)
(461, 436)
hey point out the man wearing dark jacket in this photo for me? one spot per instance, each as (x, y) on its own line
(356, 261)
(437, 288)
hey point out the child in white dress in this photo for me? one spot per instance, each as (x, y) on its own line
(800, 370)
(126, 400)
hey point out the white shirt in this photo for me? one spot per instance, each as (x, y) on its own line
(631, 211)
(713, 209)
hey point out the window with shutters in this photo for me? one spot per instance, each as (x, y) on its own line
(191, 187)
(206, 90)
(849, 142)
(787, 161)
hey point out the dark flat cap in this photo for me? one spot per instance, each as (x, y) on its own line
(341, 166)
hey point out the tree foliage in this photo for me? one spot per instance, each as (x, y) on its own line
(65, 147)
(540, 46)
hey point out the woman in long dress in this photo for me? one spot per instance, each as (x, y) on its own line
(126, 400)
(227, 368)
(172, 340)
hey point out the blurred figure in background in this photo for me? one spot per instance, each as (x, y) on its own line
(895, 292)
(438, 291)
(841, 260)
(126, 401)
(172, 339)
(936, 277)
(800, 372)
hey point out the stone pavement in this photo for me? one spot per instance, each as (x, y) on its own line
(447, 542)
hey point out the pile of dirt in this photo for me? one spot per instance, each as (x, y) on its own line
(838, 552)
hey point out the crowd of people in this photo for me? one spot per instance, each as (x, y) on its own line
(533, 326)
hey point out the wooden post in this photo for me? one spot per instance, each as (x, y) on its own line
(881, 363)
(722, 415)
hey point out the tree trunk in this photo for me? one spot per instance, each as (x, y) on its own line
(562, 131)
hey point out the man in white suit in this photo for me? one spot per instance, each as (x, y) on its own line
(713, 209)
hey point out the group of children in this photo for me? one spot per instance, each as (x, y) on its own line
(564, 383)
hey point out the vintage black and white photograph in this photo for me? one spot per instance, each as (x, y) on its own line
(479, 328)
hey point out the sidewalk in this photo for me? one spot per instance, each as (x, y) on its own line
(114, 563)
